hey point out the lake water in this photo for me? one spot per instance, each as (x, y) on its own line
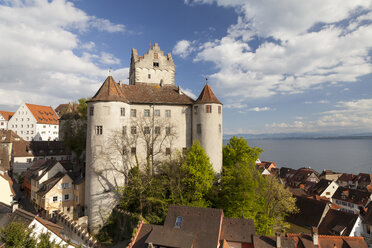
(343, 155)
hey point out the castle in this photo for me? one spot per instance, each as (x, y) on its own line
(149, 119)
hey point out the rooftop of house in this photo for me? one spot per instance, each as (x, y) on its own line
(338, 223)
(21, 148)
(149, 93)
(320, 187)
(367, 217)
(195, 227)
(345, 177)
(363, 178)
(7, 115)
(310, 212)
(49, 148)
(43, 114)
(47, 166)
(359, 197)
(8, 136)
(266, 164)
(46, 186)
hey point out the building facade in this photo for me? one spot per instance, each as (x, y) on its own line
(4, 119)
(149, 118)
(35, 122)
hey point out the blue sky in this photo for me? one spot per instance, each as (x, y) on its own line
(278, 66)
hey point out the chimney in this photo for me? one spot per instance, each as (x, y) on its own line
(314, 233)
(180, 90)
(120, 83)
(278, 240)
(14, 207)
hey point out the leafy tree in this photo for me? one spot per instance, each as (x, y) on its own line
(243, 191)
(198, 176)
(17, 235)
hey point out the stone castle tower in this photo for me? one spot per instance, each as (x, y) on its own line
(123, 117)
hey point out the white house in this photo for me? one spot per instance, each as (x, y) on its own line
(4, 119)
(6, 193)
(35, 122)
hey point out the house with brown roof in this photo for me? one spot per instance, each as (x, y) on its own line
(4, 119)
(329, 175)
(35, 122)
(324, 188)
(346, 180)
(195, 227)
(296, 178)
(362, 180)
(313, 240)
(341, 223)
(351, 200)
(151, 118)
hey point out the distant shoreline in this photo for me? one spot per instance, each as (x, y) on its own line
(350, 137)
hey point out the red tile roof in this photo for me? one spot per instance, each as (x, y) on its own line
(7, 115)
(110, 91)
(207, 96)
(43, 114)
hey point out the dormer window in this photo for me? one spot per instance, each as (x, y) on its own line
(178, 222)
(156, 64)
(155, 55)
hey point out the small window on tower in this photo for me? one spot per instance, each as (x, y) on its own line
(91, 111)
(157, 112)
(122, 111)
(198, 129)
(133, 112)
(146, 130)
(167, 151)
(157, 130)
(219, 109)
(133, 130)
(133, 151)
(196, 110)
(156, 64)
(147, 113)
(149, 76)
(208, 108)
(167, 130)
(99, 130)
(155, 55)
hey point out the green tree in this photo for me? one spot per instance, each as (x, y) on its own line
(243, 191)
(17, 235)
(198, 176)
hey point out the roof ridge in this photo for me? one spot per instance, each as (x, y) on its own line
(110, 91)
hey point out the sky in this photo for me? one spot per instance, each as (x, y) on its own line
(278, 66)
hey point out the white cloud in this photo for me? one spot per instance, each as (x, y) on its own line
(38, 59)
(106, 25)
(109, 59)
(347, 115)
(189, 93)
(183, 48)
(323, 101)
(303, 46)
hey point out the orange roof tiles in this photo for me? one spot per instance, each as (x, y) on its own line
(43, 114)
(207, 96)
(7, 115)
(110, 91)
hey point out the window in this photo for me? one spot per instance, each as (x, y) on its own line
(133, 151)
(208, 108)
(155, 55)
(156, 64)
(55, 198)
(167, 151)
(122, 111)
(67, 197)
(220, 128)
(167, 130)
(146, 113)
(65, 185)
(196, 110)
(198, 128)
(124, 130)
(178, 221)
(167, 113)
(146, 130)
(91, 111)
(133, 130)
(133, 112)
(76, 198)
(149, 76)
(99, 130)
(157, 112)
(157, 130)
(124, 150)
(219, 109)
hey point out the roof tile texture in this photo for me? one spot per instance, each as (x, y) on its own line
(43, 114)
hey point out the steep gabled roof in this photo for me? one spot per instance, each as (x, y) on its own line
(110, 91)
(43, 114)
(238, 230)
(337, 223)
(207, 96)
(7, 115)
(355, 196)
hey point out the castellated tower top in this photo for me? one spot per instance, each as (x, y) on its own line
(152, 68)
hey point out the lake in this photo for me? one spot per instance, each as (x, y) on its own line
(351, 155)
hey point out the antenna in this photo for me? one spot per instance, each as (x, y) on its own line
(110, 70)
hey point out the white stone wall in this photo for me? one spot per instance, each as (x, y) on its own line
(357, 228)
(210, 136)
(330, 190)
(105, 156)
(6, 194)
(47, 132)
(141, 68)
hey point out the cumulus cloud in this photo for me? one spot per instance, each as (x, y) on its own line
(302, 46)
(189, 93)
(38, 59)
(349, 115)
(183, 48)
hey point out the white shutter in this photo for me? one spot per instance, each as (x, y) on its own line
(59, 186)
(50, 199)
(59, 198)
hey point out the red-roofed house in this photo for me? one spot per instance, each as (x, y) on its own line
(4, 119)
(35, 122)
